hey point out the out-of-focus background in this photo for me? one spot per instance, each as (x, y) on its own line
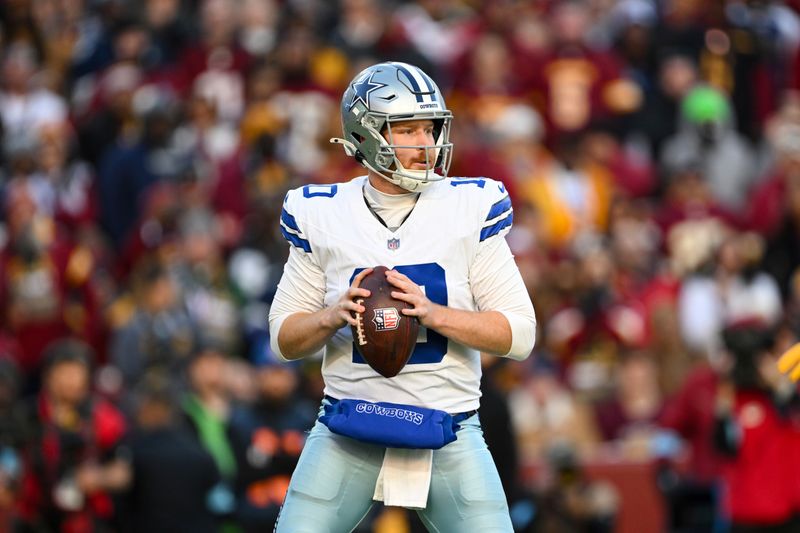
(652, 152)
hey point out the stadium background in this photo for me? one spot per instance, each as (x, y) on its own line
(652, 152)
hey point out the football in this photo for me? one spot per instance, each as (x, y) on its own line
(383, 335)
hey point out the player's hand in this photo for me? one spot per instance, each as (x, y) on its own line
(789, 363)
(412, 294)
(339, 315)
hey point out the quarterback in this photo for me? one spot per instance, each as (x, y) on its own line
(443, 241)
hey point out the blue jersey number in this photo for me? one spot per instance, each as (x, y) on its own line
(455, 182)
(431, 277)
(313, 191)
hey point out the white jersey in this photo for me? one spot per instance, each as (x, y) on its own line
(451, 245)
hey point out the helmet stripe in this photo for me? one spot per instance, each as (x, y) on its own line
(423, 78)
(413, 80)
(428, 82)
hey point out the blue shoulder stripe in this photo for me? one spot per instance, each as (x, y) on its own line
(497, 227)
(289, 220)
(296, 240)
(499, 208)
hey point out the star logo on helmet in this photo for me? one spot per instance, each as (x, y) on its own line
(363, 87)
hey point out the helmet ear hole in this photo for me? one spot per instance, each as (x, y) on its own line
(383, 160)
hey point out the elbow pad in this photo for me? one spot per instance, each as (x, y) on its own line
(523, 335)
(275, 323)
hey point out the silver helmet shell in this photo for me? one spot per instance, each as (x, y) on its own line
(391, 92)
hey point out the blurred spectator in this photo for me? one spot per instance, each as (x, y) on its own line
(775, 204)
(575, 82)
(71, 460)
(754, 436)
(658, 118)
(203, 281)
(361, 28)
(487, 83)
(306, 106)
(438, 31)
(20, 28)
(767, 206)
(13, 431)
(630, 415)
(259, 26)
(128, 168)
(64, 185)
(544, 411)
(595, 322)
(707, 137)
(690, 494)
(648, 288)
(262, 115)
(633, 174)
(114, 120)
(692, 223)
(46, 286)
(732, 290)
(156, 334)
(173, 476)
(214, 146)
(24, 107)
(630, 25)
(761, 39)
(214, 66)
(507, 147)
(497, 423)
(569, 501)
(268, 438)
(210, 411)
(99, 33)
(169, 29)
(572, 195)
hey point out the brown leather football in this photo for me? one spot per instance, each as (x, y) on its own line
(384, 336)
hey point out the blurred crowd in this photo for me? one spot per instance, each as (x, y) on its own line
(652, 152)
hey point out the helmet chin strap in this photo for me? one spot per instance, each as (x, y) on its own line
(417, 183)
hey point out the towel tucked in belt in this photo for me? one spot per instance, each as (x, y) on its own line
(405, 478)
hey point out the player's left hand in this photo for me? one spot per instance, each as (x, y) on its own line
(411, 293)
(789, 363)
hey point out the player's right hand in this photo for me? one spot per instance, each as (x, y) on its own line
(341, 313)
(789, 363)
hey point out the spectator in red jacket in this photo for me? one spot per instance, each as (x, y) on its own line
(759, 475)
(70, 461)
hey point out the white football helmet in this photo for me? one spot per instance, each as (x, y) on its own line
(384, 94)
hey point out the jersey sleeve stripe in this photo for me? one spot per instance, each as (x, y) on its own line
(296, 241)
(289, 220)
(499, 208)
(497, 227)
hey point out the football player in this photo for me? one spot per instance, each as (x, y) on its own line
(443, 240)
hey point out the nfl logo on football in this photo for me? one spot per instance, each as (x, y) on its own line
(393, 244)
(386, 319)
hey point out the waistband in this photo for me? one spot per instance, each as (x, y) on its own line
(457, 417)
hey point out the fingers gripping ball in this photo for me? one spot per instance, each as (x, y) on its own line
(789, 363)
(383, 336)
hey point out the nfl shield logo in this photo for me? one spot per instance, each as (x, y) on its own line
(386, 319)
(393, 244)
